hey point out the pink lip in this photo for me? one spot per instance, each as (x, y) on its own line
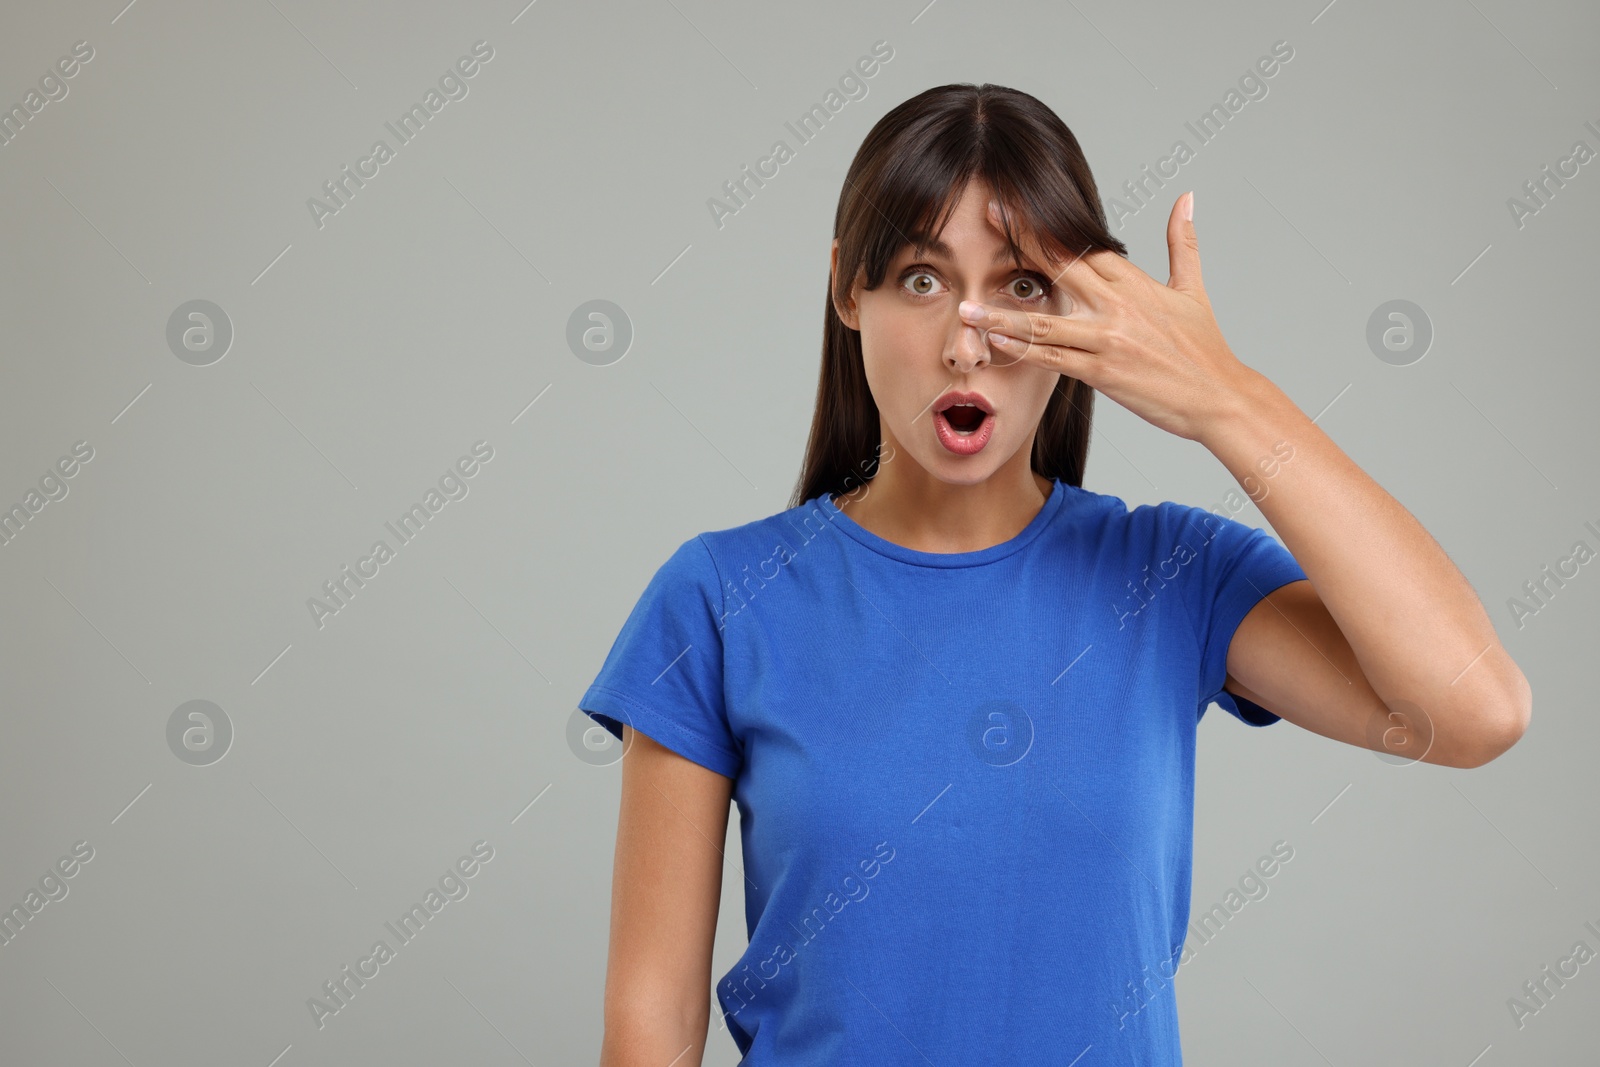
(970, 445)
(954, 397)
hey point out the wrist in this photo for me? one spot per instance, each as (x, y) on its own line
(1248, 409)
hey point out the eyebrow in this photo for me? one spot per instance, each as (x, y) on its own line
(924, 243)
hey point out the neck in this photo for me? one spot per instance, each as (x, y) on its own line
(910, 507)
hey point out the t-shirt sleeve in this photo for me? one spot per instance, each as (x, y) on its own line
(1236, 566)
(663, 675)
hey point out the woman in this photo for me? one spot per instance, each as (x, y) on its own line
(953, 693)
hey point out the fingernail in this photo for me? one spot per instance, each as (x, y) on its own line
(971, 309)
(1188, 208)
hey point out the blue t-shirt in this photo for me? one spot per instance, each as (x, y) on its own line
(965, 781)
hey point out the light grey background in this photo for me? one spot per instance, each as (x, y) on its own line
(436, 709)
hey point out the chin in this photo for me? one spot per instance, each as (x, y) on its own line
(964, 470)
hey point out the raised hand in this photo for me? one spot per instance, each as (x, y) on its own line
(1155, 349)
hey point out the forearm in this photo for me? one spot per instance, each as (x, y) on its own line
(636, 1037)
(1417, 628)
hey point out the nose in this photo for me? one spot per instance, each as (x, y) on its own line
(966, 346)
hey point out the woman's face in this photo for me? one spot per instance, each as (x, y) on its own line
(917, 349)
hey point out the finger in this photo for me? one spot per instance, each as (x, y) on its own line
(1033, 326)
(1183, 248)
(1077, 274)
(1109, 265)
(1063, 359)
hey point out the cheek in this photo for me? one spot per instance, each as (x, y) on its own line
(1035, 385)
(901, 354)
(895, 334)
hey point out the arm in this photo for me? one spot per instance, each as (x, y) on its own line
(665, 892)
(1387, 646)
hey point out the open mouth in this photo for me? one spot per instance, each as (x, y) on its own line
(964, 419)
(963, 422)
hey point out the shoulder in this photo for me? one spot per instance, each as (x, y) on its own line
(709, 559)
(1115, 533)
(1161, 520)
(778, 535)
(1112, 516)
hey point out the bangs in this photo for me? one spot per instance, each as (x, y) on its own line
(913, 198)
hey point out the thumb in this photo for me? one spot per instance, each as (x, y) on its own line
(1183, 249)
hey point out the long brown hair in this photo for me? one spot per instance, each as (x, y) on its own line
(906, 179)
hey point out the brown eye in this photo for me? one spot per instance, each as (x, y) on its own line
(1032, 289)
(921, 282)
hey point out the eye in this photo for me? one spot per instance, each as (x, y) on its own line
(922, 280)
(1037, 287)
